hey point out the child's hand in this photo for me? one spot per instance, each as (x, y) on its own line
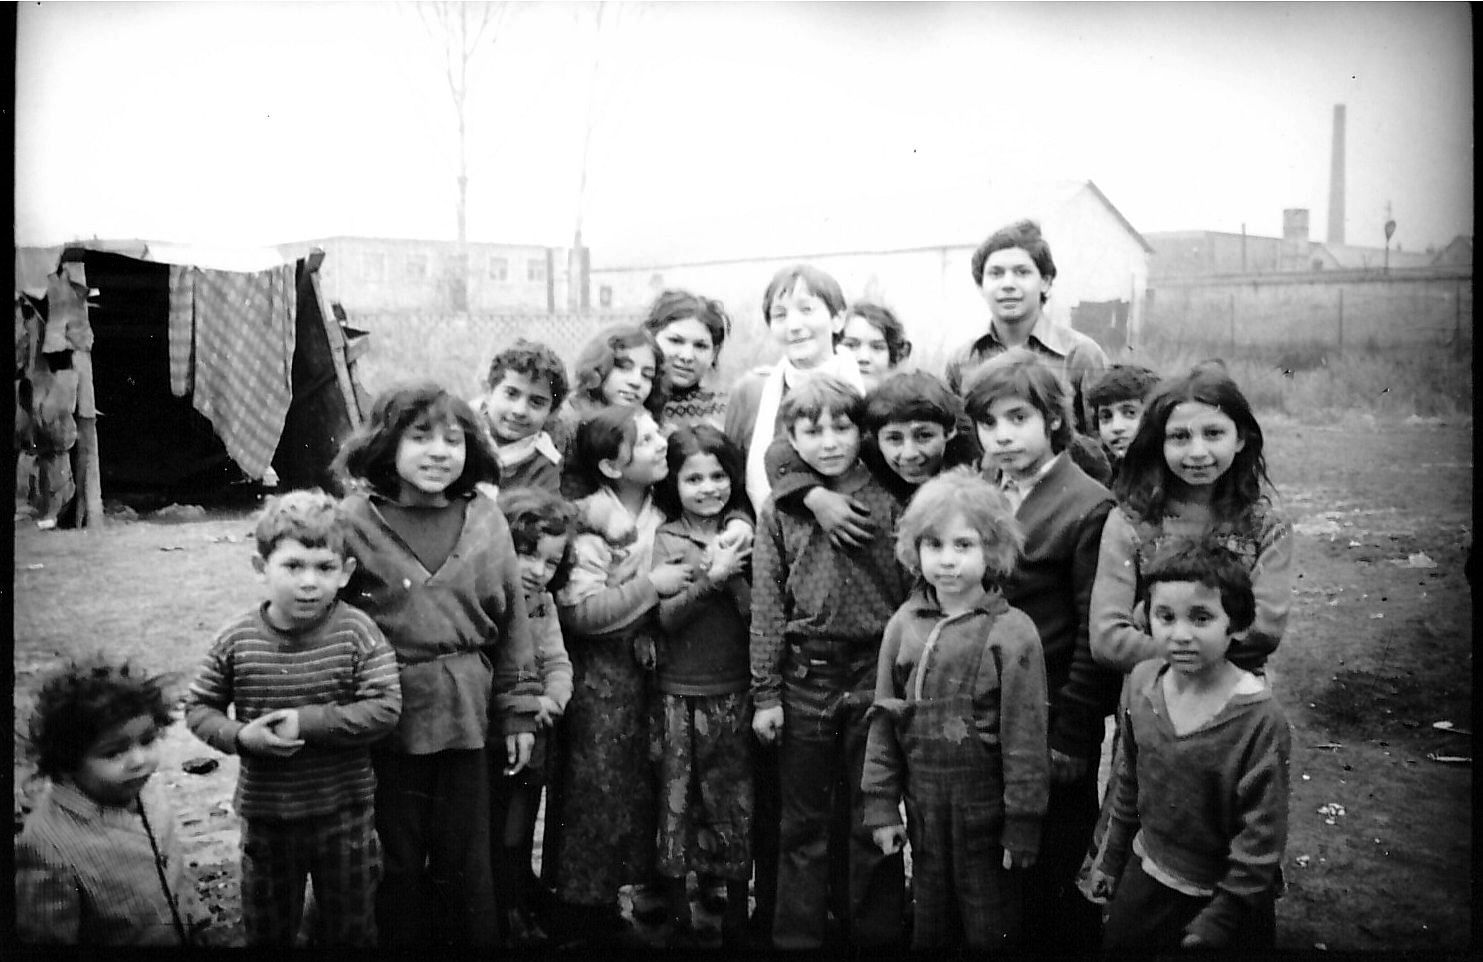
(517, 751)
(1191, 941)
(260, 736)
(845, 520)
(890, 839)
(728, 559)
(1065, 769)
(767, 724)
(547, 713)
(736, 532)
(1013, 859)
(670, 579)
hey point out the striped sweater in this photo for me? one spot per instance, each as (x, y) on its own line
(341, 675)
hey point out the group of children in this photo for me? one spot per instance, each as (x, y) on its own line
(773, 635)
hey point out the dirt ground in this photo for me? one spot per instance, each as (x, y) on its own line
(1378, 653)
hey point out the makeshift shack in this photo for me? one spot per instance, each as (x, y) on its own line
(206, 367)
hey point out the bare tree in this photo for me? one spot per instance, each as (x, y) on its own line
(457, 30)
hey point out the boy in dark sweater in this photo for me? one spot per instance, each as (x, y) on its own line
(818, 612)
(1202, 802)
(1116, 398)
(1021, 410)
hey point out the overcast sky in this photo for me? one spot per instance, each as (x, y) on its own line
(259, 123)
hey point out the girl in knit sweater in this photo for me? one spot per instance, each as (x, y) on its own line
(690, 330)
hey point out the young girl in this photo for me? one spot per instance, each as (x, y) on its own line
(958, 726)
(623, 366)
(600, 831)
(1194, 470)
(690, 330)
(703, 742)
(875, 338)
(437, 571)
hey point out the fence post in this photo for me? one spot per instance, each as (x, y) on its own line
(1457, 317)
(1341, 320)
(1232, 303)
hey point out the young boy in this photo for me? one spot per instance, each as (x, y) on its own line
(525, 386)
(817, 616)
(1013, 270)
(1116, 398)
(958, 724)
(97, 862)
(313, 684)
(1202, 802)
(914, 428)
(1022, 413)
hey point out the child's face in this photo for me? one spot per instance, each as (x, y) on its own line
(1190, 622)
(1117, 423)
(429, 457)
(688, 351)
(301, 582)
(866, 343)
(117, 765)
(801, 322)
(703, 484)
(1200, 442)
(952, 559)
(646, 457)
(537, 569)
(1016, 437)
(632, 378)
(517, 406)
(829, 444)
(913, 449)
(1012, 285)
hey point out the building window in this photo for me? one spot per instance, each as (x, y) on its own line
(416, 266)
(375, 265)
(605, 296)
(535, 270)
(499, 269)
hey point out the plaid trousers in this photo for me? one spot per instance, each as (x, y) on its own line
(339, 852)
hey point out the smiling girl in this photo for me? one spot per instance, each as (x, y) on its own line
(690, 330)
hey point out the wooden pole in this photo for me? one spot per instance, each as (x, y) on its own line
(85, 475)
(1233, 322)
(1341, 320)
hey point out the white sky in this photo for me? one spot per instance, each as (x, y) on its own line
(257, 123)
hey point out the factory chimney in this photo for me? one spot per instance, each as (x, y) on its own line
(1336, 180)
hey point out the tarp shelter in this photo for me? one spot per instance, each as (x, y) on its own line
(210, 366)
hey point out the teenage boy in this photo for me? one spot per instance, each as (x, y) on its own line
(1116, 398)
(313, 683)
(1022, 413)
(1013, 270)
(818, 613)
(1202, 803)
(525, 386)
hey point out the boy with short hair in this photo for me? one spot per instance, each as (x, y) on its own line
(1116, 398)
(1013, 270)
(818, 613)
(1022, 414)
(1202, 802)
(313, 683)
(525, 386)
(98, 861)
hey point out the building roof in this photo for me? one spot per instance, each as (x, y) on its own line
(917, 218)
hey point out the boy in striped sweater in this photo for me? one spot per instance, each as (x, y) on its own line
(313, 683)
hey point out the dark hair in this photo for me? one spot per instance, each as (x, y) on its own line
(883, 319)
(369, 455)
(701, 438)
(600, 355)
(599, 437)
(1121, 382)
(820, 283)
(535, 361)
(1142, 482)
(911, 396)
(676, 305)
(310, 517)
(1021, 373)
(1024, 234)
(818, 394)
(80, 702)
(536, 513)
(1205, 562)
